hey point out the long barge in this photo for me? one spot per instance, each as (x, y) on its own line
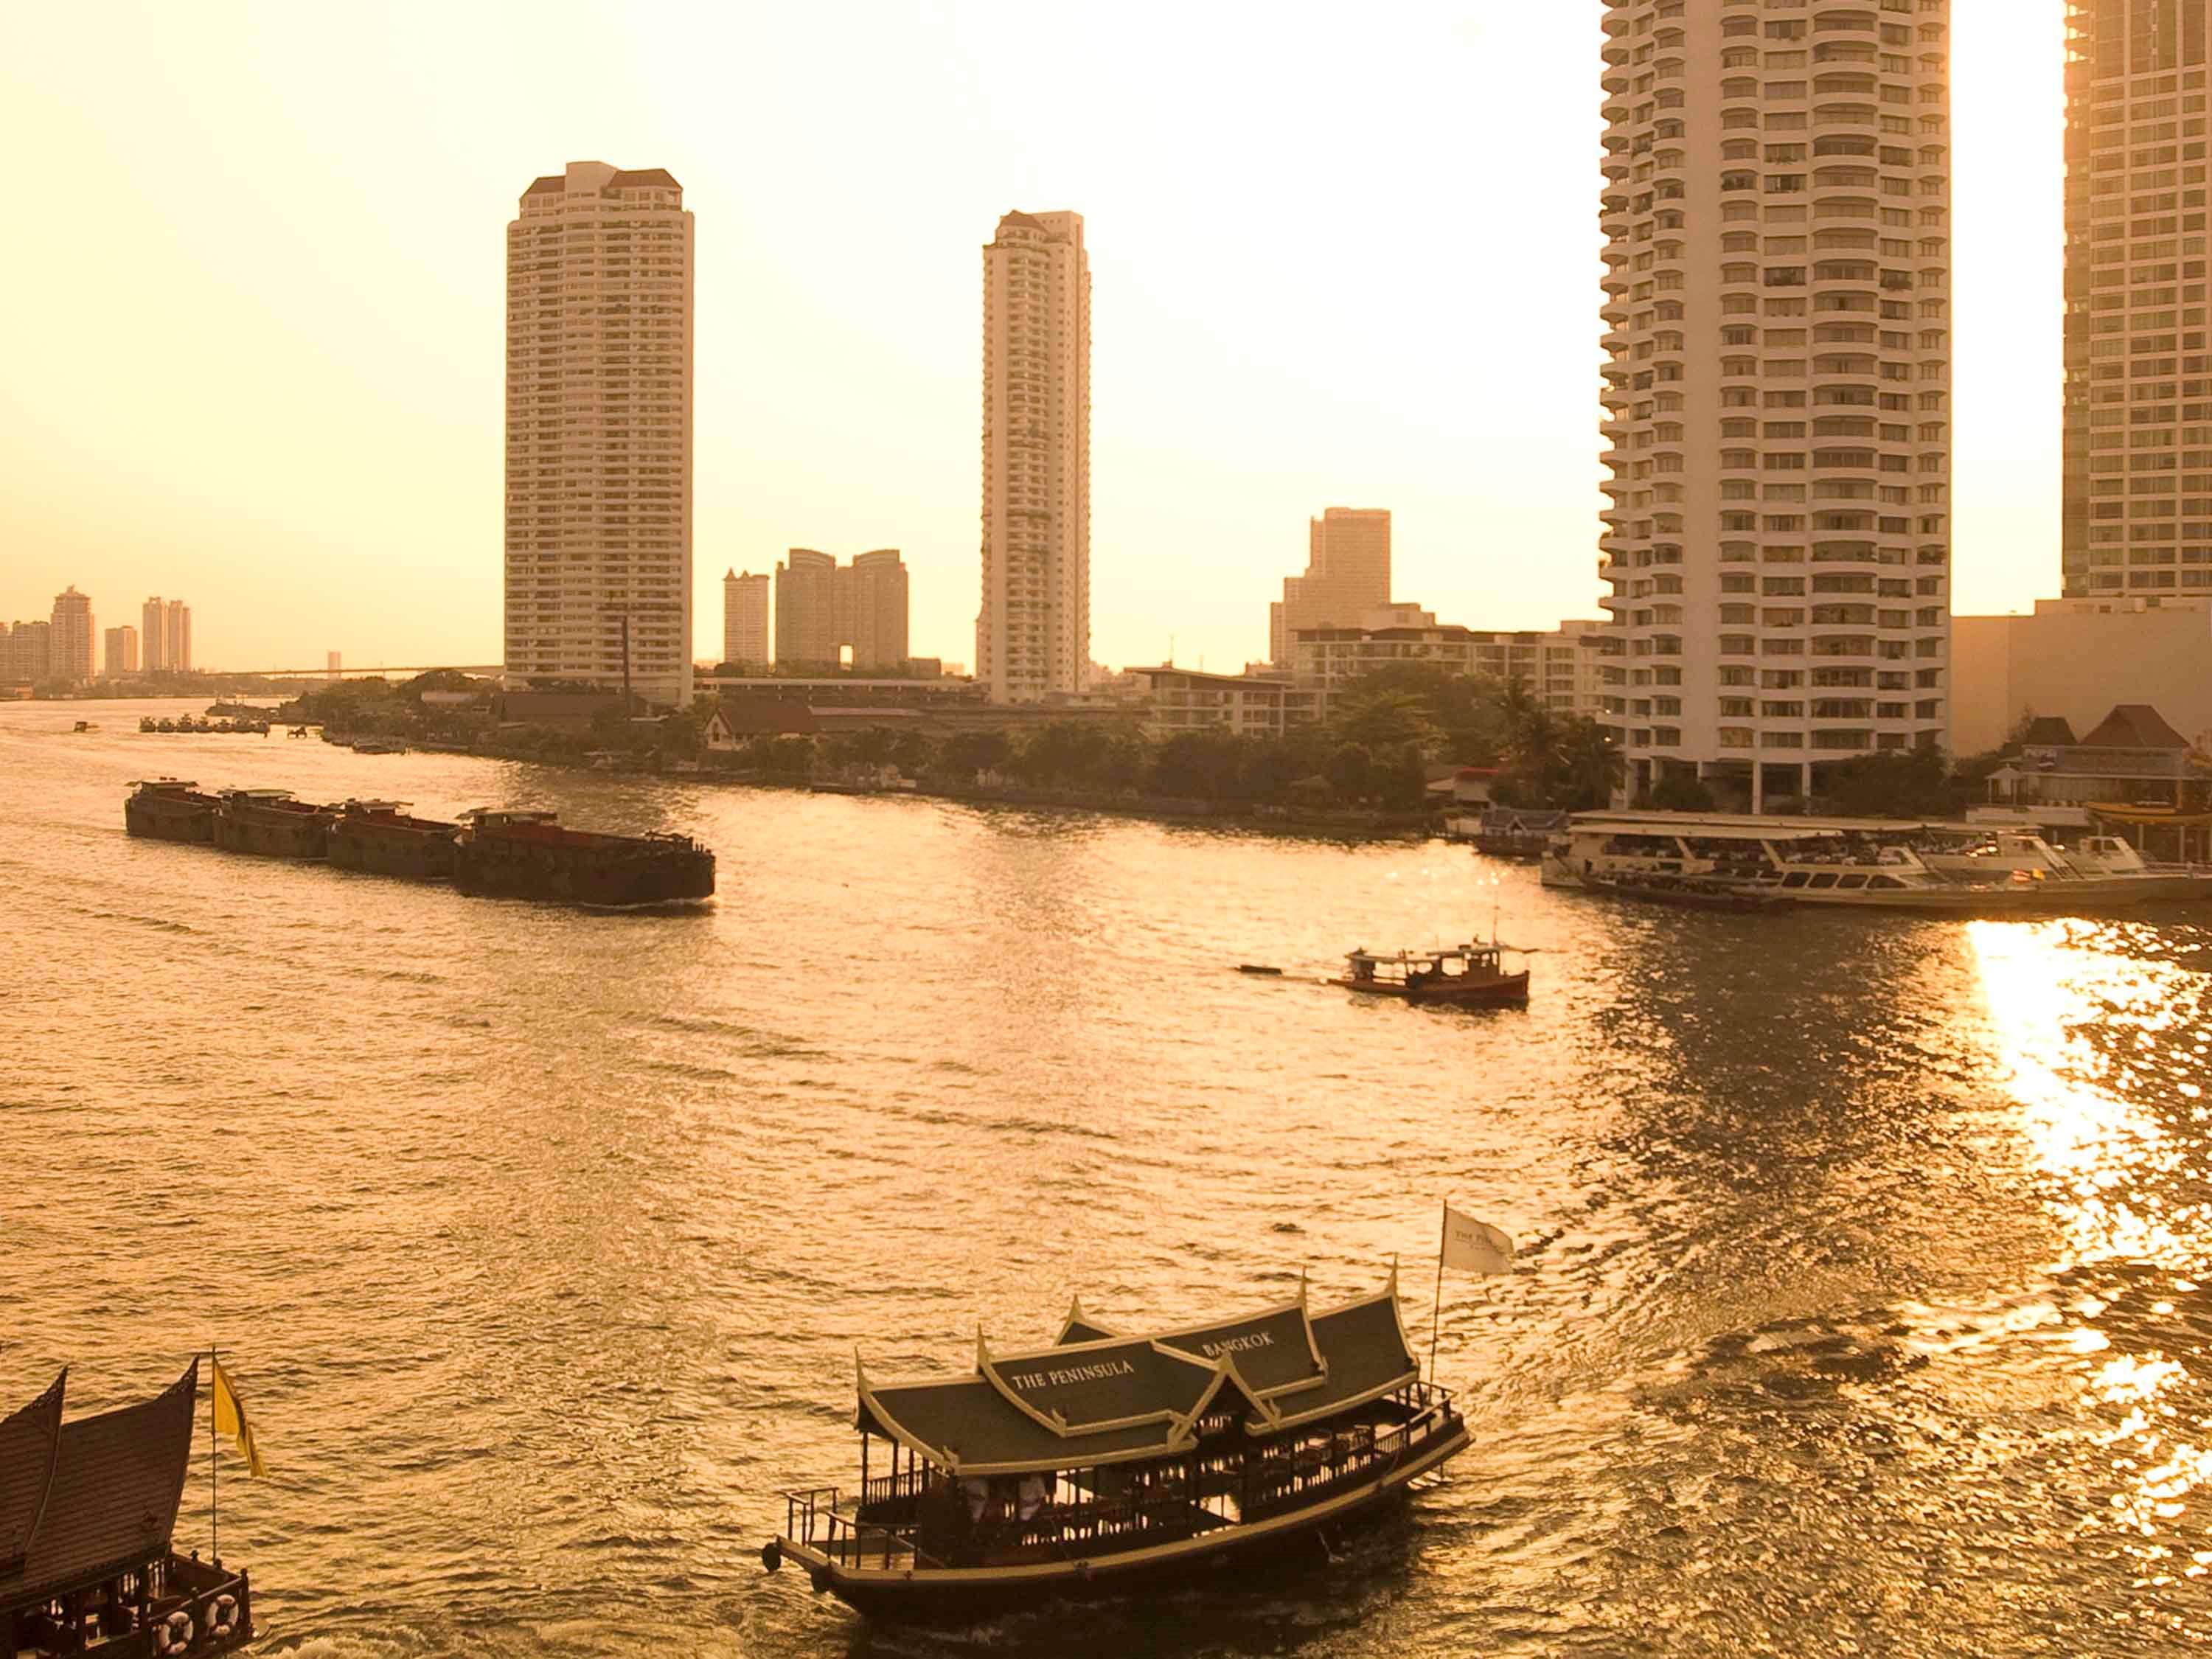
(171, 809)
(498, 853)
(1107, 1463)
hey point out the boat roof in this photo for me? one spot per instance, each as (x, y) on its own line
(1094, 1397)
(83, 1500)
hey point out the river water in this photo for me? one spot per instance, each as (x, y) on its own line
(1864, 1301)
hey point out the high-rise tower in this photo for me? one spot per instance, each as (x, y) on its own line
(1033, 632)
(744, 619)
(2138, 467)
(1347, 575)
(1778, 393)
(599, 431)
(72, 636)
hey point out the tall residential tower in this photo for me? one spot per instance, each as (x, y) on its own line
(2138, 468)
(598, 432)
(1778, 393)
(744, 619)
(1347, 575)
(1033, 633)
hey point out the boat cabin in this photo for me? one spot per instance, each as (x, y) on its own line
(1426, 969)
(1105, 1452)
(87, 1511)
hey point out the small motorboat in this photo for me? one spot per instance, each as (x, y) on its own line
(1470, 976)
(86, 725)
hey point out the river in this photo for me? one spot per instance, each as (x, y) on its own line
(1862, 1303)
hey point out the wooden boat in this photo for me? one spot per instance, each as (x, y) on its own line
(1106, 1463)
(87, 1509)
(1470, 976)
(170, 809)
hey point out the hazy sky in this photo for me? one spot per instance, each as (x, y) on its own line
(254, 293)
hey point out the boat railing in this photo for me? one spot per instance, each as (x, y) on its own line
(813, 1517)
(132, 1617)
(887, 1488)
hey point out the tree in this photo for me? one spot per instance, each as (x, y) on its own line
(965, 754)
(1381, 719)
(1896, 783)
(1681, 791)
(1350, 772)
(1199, 766)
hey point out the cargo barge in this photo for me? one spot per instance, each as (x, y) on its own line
(496, 853)
(512, 855)
(269, 823)
(378, 838)
(171, 809)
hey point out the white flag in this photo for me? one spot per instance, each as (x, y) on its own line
(1475, 1247)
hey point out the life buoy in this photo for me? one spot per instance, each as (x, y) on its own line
(174, 1633)
(222, 1615)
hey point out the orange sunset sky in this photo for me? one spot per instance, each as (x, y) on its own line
(1341, 256)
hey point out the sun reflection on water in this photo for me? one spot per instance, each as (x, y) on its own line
(2100, 1049)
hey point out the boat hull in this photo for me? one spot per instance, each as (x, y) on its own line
(413, 852)
(273, 832)
(1510, 990)
(171, 817)
(959, 1595)
(496, 868)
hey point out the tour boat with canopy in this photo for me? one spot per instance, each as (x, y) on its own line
(1106, 1461)
(87, 1511)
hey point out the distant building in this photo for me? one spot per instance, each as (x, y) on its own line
(26, 653)
(333, 663)
(1265, 705)
(165, 637)
(824, 610)
(120, 655)
(1347, 575)
(1033, 630)
(73, 637)
(1560, 668)
(598, 432)
(744, 619)
(2137, 477)
(2072, 657)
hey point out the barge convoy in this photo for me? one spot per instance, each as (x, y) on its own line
(503, 855)
(1107, 1461)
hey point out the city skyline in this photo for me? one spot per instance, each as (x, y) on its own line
(1465, 404)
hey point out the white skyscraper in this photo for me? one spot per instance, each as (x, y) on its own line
(1033, 632)
(599, 431)
(1777, 397)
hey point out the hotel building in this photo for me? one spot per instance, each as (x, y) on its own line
(1775, 209)
(744, 619)
(1033, 631)
(824, 610)
(2139, 458)
(73, 636)
(1347, 575)
(598, 432)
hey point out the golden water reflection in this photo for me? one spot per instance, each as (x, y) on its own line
(2101, 1049)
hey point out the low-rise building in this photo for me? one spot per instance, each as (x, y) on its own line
(1249, 705)
(1560, 666)
(2072, 658)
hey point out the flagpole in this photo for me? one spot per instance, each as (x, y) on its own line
(214, 1536)
(1436, 1310)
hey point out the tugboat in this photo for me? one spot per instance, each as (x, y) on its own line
(1467, 976)
(1105, 1462)
(170, 809)
(378, 838)
(88, 1510)
(269, 823)
(530, 854)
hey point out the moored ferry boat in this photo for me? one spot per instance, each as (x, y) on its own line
(272, 824)
(87, 1509)
(378, 837)
(170, 809)
(1863, 864)
(530, 854)
(1107, 1463)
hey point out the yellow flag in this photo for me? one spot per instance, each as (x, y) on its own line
(230, 1420)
